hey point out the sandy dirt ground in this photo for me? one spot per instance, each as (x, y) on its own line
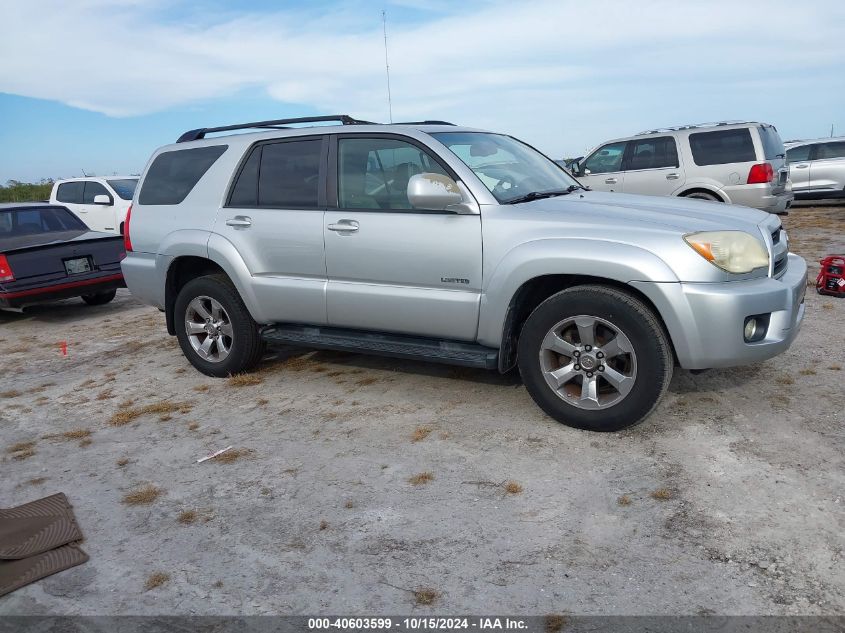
(367, 485)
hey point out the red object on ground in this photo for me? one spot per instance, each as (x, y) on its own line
(63, 347)
(831, 279)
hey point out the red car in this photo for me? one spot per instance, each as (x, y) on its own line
(47, 253)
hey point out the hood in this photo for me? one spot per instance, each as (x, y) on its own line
(35, 240)
(684, 215)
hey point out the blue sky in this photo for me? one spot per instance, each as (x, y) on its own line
(97, 85)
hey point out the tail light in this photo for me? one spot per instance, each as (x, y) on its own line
(127, 241)
(761, 173)
(5, 270)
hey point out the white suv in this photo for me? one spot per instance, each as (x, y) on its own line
(101, 203)
(738, 163)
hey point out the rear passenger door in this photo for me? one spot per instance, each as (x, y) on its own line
(392, 267)
(828, 167)
(602, 170)
(274, 218)
(652, 167)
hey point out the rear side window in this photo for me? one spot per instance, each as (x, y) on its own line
(722, 147)
(174, 174)
(797, 154)
(830, 150)
(93, 189)
(653, 153)
(70, 192)
(772, 143)
(280, 175)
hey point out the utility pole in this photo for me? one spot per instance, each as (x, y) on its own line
(387, 65)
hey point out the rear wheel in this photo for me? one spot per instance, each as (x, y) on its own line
(703, 195)
(595, 358)
(100, 298)
(215, 330)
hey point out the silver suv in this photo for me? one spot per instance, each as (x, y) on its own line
(817, 168)
(738, 163)
(454, 245)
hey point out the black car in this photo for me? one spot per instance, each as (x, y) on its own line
(47, 253)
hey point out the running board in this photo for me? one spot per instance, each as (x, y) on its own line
(383, 344)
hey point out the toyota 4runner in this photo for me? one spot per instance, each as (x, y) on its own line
(448, 244)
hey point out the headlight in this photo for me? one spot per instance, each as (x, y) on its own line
(733, 251)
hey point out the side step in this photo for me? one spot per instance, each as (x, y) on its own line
(383, 344)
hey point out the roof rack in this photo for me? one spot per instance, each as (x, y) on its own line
(274, 124)
(691, 126)
(281, 124)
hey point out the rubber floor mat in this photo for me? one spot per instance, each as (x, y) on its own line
(15, 574)
(37, 527)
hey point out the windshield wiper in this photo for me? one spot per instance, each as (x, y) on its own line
(537, 195)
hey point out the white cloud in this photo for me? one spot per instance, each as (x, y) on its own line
(521, 66)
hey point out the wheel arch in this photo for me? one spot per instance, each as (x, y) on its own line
(536, 290)
(182, 270)
(704, 189)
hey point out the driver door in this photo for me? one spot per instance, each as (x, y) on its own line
(392, 267)
(602, 170)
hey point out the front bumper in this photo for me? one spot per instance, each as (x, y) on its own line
(706, 320)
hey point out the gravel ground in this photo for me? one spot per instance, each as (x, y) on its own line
(361, 485)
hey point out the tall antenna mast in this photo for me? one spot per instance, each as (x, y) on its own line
(387, 65)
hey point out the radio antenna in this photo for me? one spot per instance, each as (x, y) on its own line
(387, 65)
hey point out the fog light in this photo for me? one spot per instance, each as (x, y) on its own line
(755, 328)
(750, 329)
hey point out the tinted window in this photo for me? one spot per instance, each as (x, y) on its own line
(70, 192)
(289, 174)
(245, 191)
(772, 143)
(831, 150)
(653, 153)
(797, 154)
(373, 173)
(606, 159)
(124, 187)
(722, 147)
(29, 221)
(173, 174)
(93, 189)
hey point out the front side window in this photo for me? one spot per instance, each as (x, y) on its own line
(93, 189)
(798, 154)
(373, 173)
(831, 150)
(606, 159)
(70, 192)
(124, 187)
(722, 147)
(509, 168)
(174, 174)
(653, 153)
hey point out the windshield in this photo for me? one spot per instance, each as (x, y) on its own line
(125, 187)
(509, 168)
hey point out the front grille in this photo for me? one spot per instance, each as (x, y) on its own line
(780, 267)
(776, 236)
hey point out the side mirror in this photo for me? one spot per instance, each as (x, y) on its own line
(575, 168)
(433, 191)
(103, 199)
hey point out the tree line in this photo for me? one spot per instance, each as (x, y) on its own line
(16, 191)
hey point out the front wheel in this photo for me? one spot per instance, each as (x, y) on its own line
(595, 358)
(215, 330)
(100, 298)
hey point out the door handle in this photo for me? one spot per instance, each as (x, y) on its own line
(804, 166)
(239, 222)
(611, 181)
(344, 226)
(672, 176)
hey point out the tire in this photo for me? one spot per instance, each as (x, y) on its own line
(703, 195)
(640, 361)
(100, 298)
(235, 346)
